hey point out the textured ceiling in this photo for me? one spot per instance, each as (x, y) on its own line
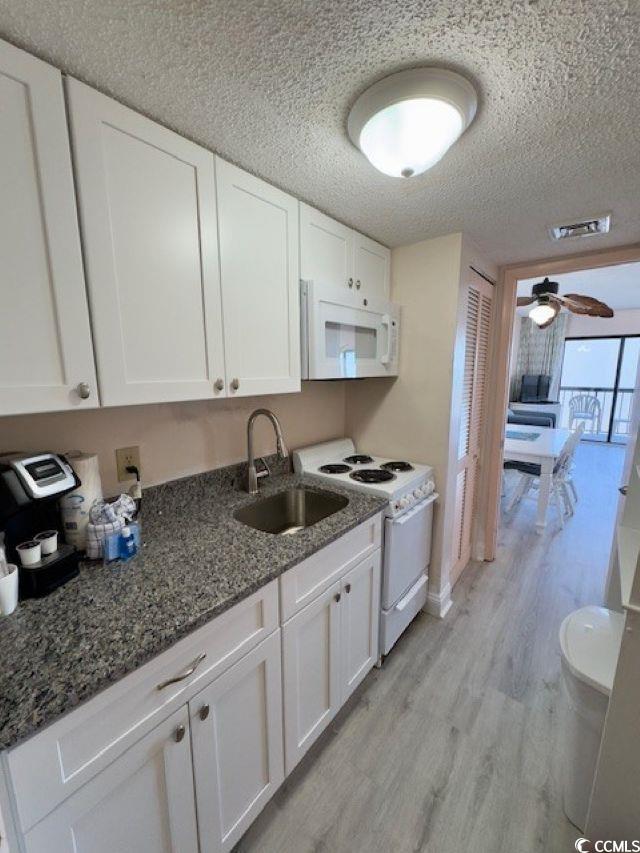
(268, 84)
(618, 286)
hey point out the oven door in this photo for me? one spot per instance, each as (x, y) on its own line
(349, 336)
(407, 550)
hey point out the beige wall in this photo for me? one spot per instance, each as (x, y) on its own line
(177, 439)
(410, 417)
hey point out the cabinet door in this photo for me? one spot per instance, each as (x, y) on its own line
(372, 269)
(144, 801)
(326, 249)
(260, 283)
(311, 661)
(237, 745)
(360, 615)
(45, 341)
(147, 204)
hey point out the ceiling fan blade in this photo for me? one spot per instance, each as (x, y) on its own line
(580, 304)
(555, 304)
(525, 300)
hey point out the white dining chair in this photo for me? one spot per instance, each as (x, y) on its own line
(561, 481)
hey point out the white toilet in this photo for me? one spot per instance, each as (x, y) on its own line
(590, 640)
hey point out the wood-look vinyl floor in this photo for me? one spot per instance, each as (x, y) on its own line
(456, 743)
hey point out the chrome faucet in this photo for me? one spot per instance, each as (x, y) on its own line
(252, 474)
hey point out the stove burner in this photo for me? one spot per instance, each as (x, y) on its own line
(372, 475)
(334, 468)
(397, 466)
(359, 459)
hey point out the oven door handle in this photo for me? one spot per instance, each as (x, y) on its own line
(400, 606)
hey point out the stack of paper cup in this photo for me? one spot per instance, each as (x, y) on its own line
(75, 506)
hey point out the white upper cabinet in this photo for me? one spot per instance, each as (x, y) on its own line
(332, 254)
(148, 214)
(326, 249)
(258, 229)
(372, 267)
(46, 359)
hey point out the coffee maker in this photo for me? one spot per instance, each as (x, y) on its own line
(30, 488)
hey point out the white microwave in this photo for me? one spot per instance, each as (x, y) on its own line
(346, 335)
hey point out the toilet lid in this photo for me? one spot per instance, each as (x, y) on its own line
(590, 640)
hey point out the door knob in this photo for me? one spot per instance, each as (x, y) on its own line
(235, 384)
(337, 598)
(219, 384)
(83, 390)
(179, 733)
(203, 713)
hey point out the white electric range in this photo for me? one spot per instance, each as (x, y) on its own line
(410, 490)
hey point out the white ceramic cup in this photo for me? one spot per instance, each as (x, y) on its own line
(48, 540)
(29, 552)
(9, 591)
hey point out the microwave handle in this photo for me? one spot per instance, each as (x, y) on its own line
(386, 321)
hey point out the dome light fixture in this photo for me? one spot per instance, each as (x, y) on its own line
(406, 122)
(542, 313)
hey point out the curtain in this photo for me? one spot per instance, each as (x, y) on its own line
(540, 351)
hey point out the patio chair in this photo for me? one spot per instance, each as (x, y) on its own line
(585, 408)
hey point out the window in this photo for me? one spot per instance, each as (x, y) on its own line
(596, 388)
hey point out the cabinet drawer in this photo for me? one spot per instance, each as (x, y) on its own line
(304, 582)
(52, 765)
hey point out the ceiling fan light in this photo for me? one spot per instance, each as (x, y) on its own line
(405, 123)
(541, 313)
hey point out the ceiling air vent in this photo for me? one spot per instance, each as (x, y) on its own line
(586, 228)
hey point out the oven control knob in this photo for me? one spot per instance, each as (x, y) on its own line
(417, 493)
(404, 502)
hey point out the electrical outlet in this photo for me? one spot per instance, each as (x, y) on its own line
(126, 456)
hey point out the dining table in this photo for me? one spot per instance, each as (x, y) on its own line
(540, 446)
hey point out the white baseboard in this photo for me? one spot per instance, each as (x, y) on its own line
(438, 603)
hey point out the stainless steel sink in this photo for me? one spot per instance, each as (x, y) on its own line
(290, 511)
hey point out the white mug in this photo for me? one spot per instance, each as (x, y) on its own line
(9, 591)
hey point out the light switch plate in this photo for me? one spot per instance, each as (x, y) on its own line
(126, 456)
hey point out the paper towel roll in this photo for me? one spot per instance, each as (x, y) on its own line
(75, 506)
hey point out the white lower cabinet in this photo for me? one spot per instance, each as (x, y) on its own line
(195, 782)
(311, 673)
(236, 731)
(328, 647)
(360, 619)
(144, 801)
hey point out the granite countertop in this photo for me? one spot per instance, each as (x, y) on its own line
(197, 561)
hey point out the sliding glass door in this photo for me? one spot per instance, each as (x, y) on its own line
(596, 388)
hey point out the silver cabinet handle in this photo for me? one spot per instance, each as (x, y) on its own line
(235, 384)
(203, 713)
(219, 384)
(184, 674)
(179, 733)
(350, 282)
(358, 284)
(83, 389)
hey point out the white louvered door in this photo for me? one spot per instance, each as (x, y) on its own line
(478, 327)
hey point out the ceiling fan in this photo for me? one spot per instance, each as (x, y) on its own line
(548, 304)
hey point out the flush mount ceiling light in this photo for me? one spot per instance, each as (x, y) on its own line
(405, 123)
